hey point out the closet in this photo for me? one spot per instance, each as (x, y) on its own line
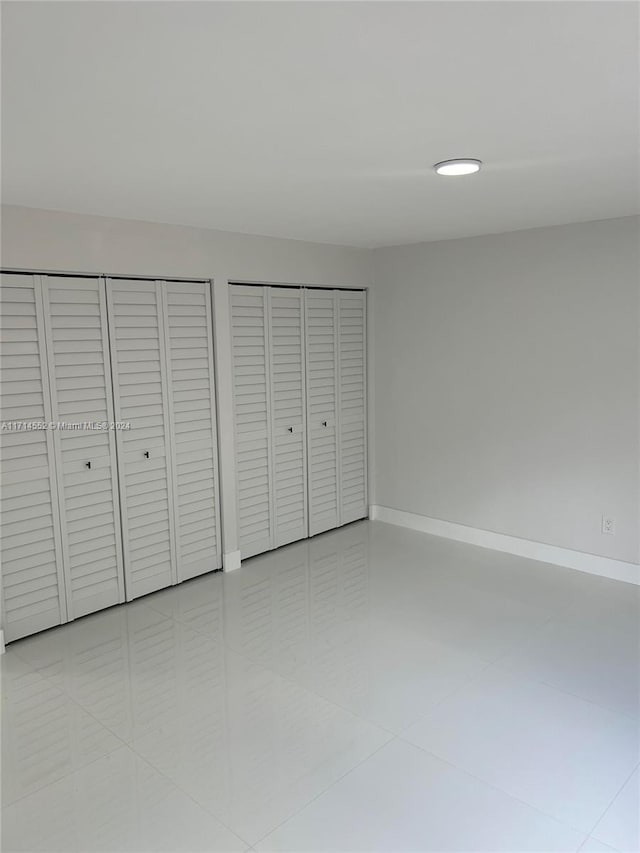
(299, 376)
(108, 449)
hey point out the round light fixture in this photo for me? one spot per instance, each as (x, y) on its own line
(458, 167)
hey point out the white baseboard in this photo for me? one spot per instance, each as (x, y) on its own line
(231, 561)
(605, 566)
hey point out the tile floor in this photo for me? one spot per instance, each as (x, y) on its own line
(372, 689)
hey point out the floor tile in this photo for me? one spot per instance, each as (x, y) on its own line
(402, 799)
(388, 675)
(554, 751)
(306, 617)
(421, 561)
(264, 701)
(602, 599)
(15, 672)
(592, 650)
(620, 825)
(197, 603)
(286, 598)
(266, 749)
(132, 668)
(592, 845)
(45, 735)
(95, 647)
(118, 803)
(271, 604)
(453, 612)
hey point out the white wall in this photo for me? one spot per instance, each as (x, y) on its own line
(506, 386)
(505, 368)
(51, 240)
(55, 241)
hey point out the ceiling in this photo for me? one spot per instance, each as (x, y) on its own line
(320, 120)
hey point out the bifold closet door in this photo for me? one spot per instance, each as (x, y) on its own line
(32, 575)
(163, 376)
(190, 376)
(321, 321)
(299, 372)
(84, 442)
(141, 396)
(352, 405)
(269, 401)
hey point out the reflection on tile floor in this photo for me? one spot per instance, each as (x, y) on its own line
(369, 689)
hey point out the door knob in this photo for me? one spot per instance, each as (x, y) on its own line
(146, 454)
(290, 429)
(88, 464)
(324, 423)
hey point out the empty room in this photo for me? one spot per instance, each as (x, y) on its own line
(320, 426)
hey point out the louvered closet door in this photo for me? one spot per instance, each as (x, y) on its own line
(81, 396)
(252, 413)
(352, 415)
(190, 376)
(322, 409)
(144, 468)
(288, 416)
(32, 577)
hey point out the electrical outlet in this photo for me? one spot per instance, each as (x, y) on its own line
(608, 525)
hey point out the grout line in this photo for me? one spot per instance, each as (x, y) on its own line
(402, 736)
(66, 775)
(615, 797)
(290, 679)
(495, 787)
(593, 838)
(452, 694)
(185, 792)
(123, 743)
(301, 687)
(614, 711)
(324, 790)
(306, 689)
(82, 766)
(131, 745)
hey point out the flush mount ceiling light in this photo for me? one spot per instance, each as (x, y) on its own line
(458, 167)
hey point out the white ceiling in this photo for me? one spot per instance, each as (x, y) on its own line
(320, 121)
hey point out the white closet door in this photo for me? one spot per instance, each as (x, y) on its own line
(252, 413)
(32, 574)
(188, 324)
(144, 467)
(322, 409)
(81, 396)
(352, 415)
(288, 416)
